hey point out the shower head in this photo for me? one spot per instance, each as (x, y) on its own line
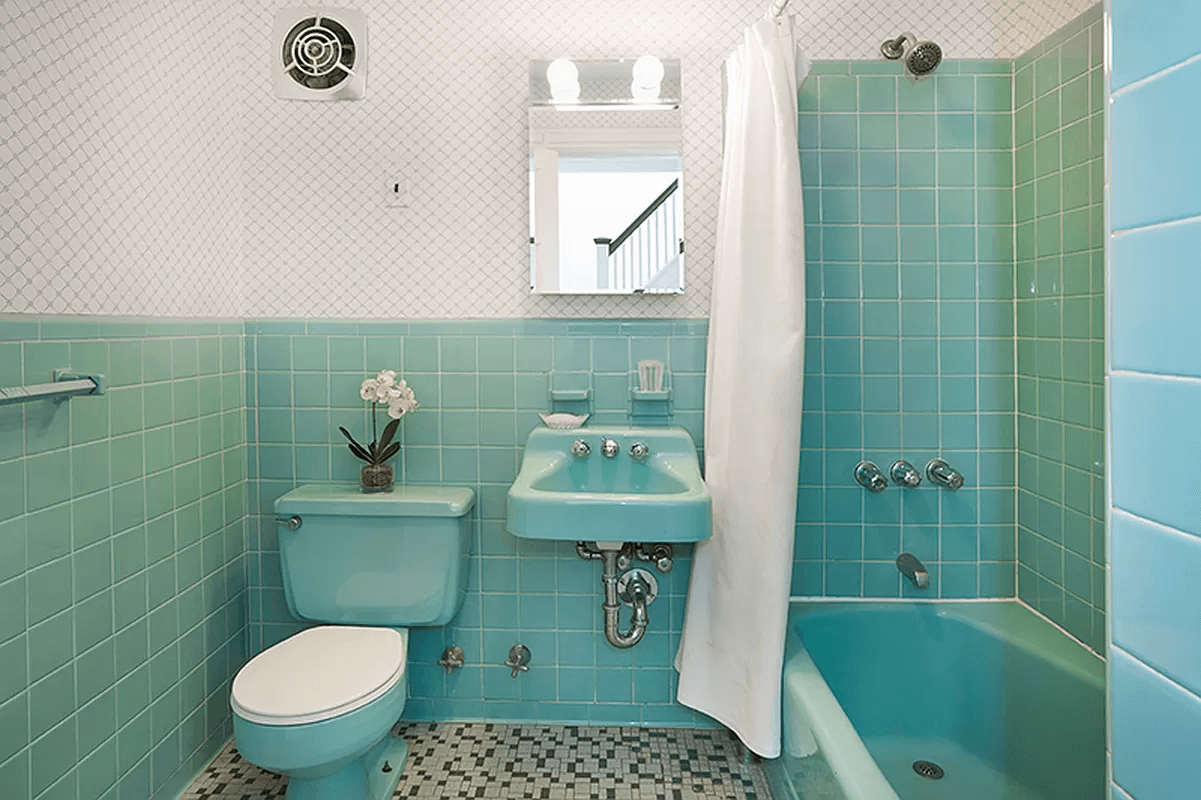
(921, 58)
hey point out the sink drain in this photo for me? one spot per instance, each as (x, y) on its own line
(928, 769)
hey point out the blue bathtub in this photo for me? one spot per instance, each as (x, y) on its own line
(1004, 703)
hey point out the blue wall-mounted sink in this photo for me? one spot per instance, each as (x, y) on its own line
(559, 496)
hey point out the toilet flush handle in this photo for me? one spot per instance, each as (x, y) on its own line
(292, 523)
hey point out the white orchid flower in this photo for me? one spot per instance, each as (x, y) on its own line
(400, 408)
(383, 383)
(401, 400)
(384, 388)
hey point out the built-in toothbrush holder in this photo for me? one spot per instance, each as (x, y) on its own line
(651, 398)
(650, 376)
(571, 392)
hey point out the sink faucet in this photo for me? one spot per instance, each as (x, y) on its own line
(913, 569)
(610, 448)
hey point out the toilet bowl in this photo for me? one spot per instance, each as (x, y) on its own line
(319, 707)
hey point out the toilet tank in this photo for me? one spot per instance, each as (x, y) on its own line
(394, 558)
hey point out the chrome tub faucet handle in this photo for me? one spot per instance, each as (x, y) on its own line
(904, 474)
(944, 474)
(869, 476)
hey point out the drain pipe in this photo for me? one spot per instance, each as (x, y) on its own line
(612, 605)
(585, 552)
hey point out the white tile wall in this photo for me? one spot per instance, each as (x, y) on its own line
(119, 143)
(146, 168)
(1041, 19)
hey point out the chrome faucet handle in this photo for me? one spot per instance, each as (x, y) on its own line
(944, 474)
(610, 448)
(639, 452)
(868, 475)
(580, 448)
(519, 659)
(452, 659)
(904, 474)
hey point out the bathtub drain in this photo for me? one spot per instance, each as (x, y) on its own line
(928, 769)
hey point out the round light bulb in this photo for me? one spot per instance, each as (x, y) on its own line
(564, 79)
(648, 71)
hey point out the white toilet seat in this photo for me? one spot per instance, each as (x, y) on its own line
(318, 674)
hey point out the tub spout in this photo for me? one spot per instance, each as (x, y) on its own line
(913, 569)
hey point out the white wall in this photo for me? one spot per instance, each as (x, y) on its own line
(120, 139)
(130, 185)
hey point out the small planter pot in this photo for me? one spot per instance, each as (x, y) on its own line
(376, 478)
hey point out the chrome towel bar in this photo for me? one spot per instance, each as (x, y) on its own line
(65, 384)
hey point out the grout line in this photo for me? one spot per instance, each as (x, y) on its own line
(1155, 671)
(1184, 379)
(1130, 87)
(1063, 630)
(1121, 512)
(1175, 223)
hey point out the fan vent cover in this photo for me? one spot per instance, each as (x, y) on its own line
(320, 54)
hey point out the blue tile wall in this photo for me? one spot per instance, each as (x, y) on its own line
(1153, 619)
(1059, 124)
(481, 385)
(122, 556)
(1151, 37)
(1156, 728)
(1154, 390)
(1146, 261)
(910, 353)
(1152, 183)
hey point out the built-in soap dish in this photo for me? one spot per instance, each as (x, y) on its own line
(570, 395)
(564, 421)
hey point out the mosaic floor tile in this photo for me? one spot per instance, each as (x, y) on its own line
(534, 762)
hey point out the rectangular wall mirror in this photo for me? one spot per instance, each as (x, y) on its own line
(606, 197)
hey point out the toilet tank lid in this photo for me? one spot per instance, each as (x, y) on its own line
(343, 499)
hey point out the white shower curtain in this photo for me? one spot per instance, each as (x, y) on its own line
(732, 649)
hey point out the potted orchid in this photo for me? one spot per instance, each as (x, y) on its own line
(383, 389)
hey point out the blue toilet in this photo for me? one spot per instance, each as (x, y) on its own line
(319, 706)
